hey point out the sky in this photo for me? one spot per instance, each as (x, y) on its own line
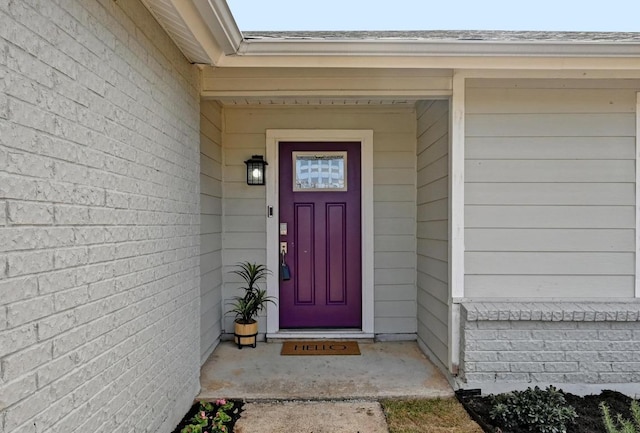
(333, 15)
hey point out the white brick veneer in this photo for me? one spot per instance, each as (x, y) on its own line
(550, 343)
(99, 220)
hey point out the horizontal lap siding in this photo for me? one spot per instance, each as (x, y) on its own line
(210, 227)
(432, 226)
(550, 189)
(394, 171)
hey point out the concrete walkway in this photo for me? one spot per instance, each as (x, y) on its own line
(312, 417)
(318, 394)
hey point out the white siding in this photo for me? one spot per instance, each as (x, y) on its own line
(394, 198)
(210, 227)
(432, 226)
(550, 188)
(99, 233)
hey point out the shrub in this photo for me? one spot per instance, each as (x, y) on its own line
(535, 410)
(622, 425)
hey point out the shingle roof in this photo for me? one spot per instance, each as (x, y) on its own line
(449, 36)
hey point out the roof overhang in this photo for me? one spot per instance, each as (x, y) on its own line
(206, 32)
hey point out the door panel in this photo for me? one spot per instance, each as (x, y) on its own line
(303, 247)
(323, 242)
(336, 259)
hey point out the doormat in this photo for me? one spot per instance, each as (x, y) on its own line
(320, 348)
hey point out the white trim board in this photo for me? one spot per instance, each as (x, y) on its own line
(577, 74)
(411, 46)
(637, 249)
(365, 137)
(456, 217)
(621, 64)
(317, 335)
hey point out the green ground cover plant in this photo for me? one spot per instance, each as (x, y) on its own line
(210, 417)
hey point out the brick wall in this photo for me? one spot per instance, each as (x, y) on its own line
(550, 343)
(99, 220)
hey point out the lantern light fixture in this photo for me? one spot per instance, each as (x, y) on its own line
(256, 168)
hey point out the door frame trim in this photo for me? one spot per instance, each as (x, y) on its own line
(273, 139)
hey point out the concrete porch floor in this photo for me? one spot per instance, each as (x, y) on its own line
(383, 370)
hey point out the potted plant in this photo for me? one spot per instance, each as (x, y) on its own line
(252, 302)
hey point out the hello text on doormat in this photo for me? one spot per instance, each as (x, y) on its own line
(320, 348)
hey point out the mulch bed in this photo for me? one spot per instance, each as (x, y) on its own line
(589, 418)
(234, 414)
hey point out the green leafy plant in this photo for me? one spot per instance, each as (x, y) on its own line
(255, 299)
(211, 418)
(621, 425)
(534, 409)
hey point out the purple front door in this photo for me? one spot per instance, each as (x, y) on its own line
(319, 191)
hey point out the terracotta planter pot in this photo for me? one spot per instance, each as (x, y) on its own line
(246, 334)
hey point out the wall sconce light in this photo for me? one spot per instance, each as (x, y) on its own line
(256, 167)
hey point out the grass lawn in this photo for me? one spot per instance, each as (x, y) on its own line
(428, 416)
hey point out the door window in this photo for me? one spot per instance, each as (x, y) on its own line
(325, 171)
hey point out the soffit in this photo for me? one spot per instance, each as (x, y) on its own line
(318, 102)
(204, 30)
(168, 17)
